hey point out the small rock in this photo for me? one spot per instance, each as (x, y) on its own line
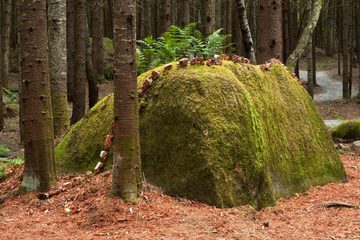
(355, 147)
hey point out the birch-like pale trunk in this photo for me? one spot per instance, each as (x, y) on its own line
(245, 31)
(305, 36)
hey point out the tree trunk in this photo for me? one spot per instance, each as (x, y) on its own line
(165, 15)
(5, 43)
(97, 50)
(245, 31)
(14, 38)
(79, 86)
(207, 17)
(39, 170)
(108, 19)
(90, 70)
(146, 18)
(330, 28)
(57, 64)
(310, 69)
(269, 30)
(305, 36)
(70, 45)
(183, 12)
(346, 47)
(127, 180)
(1, 81)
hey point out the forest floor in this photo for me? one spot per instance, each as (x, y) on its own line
(85, 211)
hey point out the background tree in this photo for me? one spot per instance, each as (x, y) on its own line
(5, 42)
(70, 45)
(97, 31)
(57, 64)
(126, 180)
(1, 79)
(207, 16)
(79, 85)
(39, 171)
(269, 30)
(183, 12)
(245, 30)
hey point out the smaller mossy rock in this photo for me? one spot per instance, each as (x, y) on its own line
(349, 130)
(226, 135)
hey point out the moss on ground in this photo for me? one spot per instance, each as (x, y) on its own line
(225, 135)
(349, 130)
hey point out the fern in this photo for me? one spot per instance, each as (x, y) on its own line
(178, 43)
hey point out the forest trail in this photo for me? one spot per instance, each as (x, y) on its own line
(330, 87)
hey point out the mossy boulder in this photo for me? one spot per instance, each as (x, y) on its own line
(349, 130)
(226, 135)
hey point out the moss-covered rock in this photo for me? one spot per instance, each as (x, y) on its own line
(349, 130)
(225, 135)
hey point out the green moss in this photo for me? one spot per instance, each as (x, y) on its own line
(80, 147)
(225, 135)
(349, 130)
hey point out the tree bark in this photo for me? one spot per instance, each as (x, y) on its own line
(39, 170)
(245, 31)
(207, 16)
(2, 122)
(330, 28)
(127, 180)
(346, 46)
(183, 12)
(5, 43)
(70, 45)
(79, 86)
(269, 30)
(58, 66)
(90, 70)
(165, 15)
(146, 18)
(305, 36)
(97, 50)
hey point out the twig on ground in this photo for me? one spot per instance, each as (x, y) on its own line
(340, 204)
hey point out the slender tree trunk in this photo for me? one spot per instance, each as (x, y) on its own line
(183, 12)
(305, 36)
(357, 37)
(346, 47)
(127, 180)
(269, 30)
(245, 31)
(90, 71)
(79, 91)
(5, 43)
(39, 171)
(330, 28)
(165, 15)
(57, 64)
(14, 38)
(207, 16)
(108, 19)
(146, 27)
(2, 122)
(70, 45)
(236, 36)
(310, 69)
(97, 50)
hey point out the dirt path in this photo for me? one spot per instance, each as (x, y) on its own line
(330, 86)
